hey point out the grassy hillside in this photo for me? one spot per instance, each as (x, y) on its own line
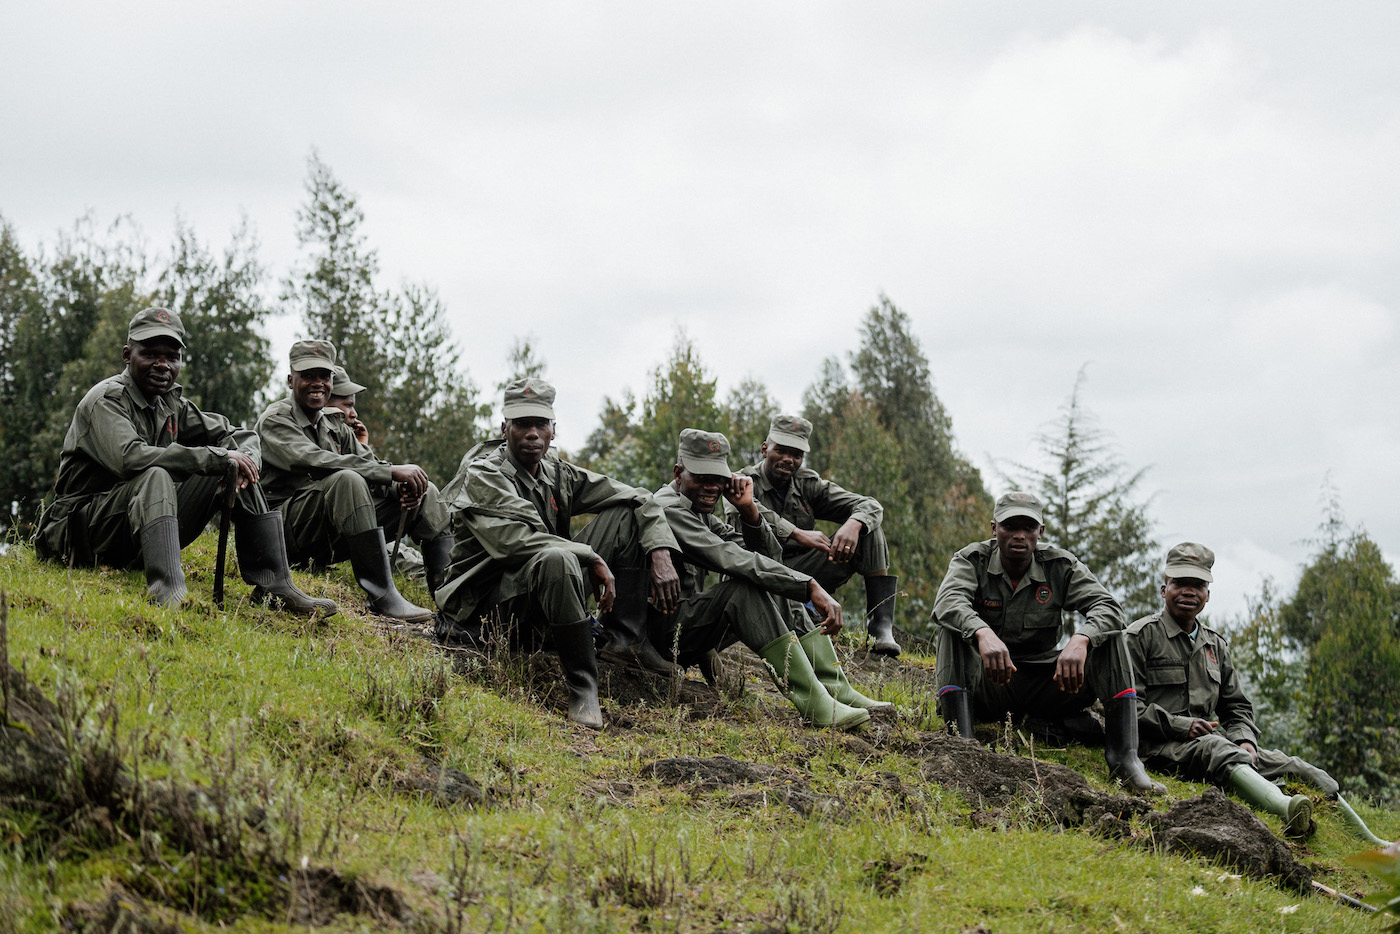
(356, 777)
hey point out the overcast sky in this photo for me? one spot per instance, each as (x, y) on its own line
(1198, 200)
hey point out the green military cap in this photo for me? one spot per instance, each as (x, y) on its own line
(704, 452)
(313, 355)
(342, 384)
(1190, 560)
(1018, 504)
(530, 397)
(791, 431)
(155, 322)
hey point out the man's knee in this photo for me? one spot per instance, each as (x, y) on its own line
(152, 495)
(346, 483)
(554, 563)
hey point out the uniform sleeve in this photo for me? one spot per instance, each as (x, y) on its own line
(1233, 708)
(287, 447)
(1155, 722)
(214, 429)
(1102, 612)
(831, 502)
(782, 528)
(501, 520)
(111, 439)
(729, 553)
(594, 492)
(952, 608)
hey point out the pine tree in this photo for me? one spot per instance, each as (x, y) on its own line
(748, 411)
(682, 395)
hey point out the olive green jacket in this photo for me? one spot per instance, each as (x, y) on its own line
(1180, 679)
(708, 543)
(297, 451)
(977, 593)
(806, 499)
(502, 517)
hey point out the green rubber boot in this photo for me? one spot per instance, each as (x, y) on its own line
(822, 654)
(1260, 793)
(1356, 825)
(792, 672)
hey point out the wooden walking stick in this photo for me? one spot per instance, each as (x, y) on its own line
(225, 518)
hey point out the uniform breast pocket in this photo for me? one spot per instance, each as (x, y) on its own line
(992, 612)
(1166, 686)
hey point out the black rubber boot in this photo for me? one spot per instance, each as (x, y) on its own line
(575, 644)
(626, 626)
(957, 711)
(879, 613)
(370, 562)
(437, 557)
(262, 560)
(160, 552)
(711, 668)
(1121, 744)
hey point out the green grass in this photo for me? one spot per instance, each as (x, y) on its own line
(319, 722)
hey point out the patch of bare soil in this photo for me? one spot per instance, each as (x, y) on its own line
(1215, 827)
(1002, 788)
(446, 786)
(773, 785)
(122, 911)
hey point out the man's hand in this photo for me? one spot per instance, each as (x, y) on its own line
(739, 492)
(245, 469)
(811, 538)
(1248, 747)
(665, 582)
(996, 657)
(1069, 669)
(844, 542)
(413, 483)
(1201, 728)
(358, 427)
(826, 605)
(604, 585)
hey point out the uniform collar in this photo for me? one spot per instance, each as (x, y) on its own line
(169, 400)
(1035, 572)
(517, 472)
(300, 417)
(1175, 629)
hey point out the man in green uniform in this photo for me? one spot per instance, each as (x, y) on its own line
(337, 498)
(140, 474)
(510, 506)
(998, 612)
(1193, 714)
(797, 496)
(750, 604)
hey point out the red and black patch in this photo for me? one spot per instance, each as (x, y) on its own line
(714, 447)
(1043, 594)
(163, 316)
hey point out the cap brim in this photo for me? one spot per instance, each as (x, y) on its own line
(1193, 571)
(527, 410)
(301, 364)
(346, 389)
(706, 466)
(149, 331)
(1011, 512)
(789, 440)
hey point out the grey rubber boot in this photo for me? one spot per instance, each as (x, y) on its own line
(575, 644)
(879, 613)
(626, 626)
(1121, 745)
(437, 557)
(370, 562)
(1264, 795)
(821, 652)
(160, 553)
(957, 711)
(262, 561)
(792, 673)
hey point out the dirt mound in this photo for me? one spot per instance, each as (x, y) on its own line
(447, 786)
(776, 786)
(1215, 827)
(122, 911)
(1002, 788)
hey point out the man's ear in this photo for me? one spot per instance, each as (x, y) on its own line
(676, 472)
(763, 449)
(126, 354)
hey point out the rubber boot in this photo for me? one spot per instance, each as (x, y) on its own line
(957, 711)
(1260, 793)
(1121, 745)
(1356, 825)
(711, 668)
(160, 552)
(371, 565)
(822, 654)
(437, 557)
(262, 560)
(879, 613)
(626, 625)
(575, 644)
(793, 674)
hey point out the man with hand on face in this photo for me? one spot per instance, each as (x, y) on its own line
(511, 504)
(142, 472)
(748, 605)
(337, 498)
(999, 611)
(1193, 713)
(796, 496)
